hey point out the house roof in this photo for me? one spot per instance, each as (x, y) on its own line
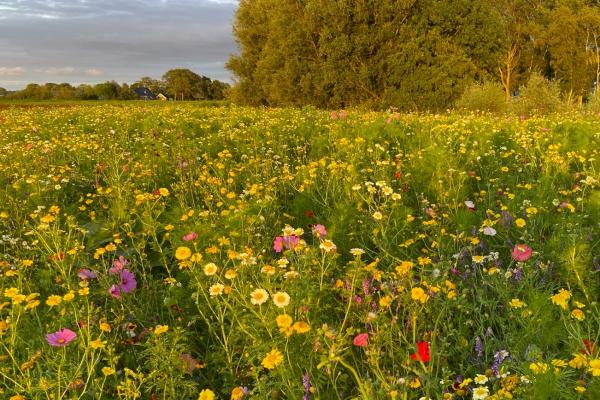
(144, 92)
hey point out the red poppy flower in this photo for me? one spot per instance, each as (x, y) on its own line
(361, 340)
(422, 353)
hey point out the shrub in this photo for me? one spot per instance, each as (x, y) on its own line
(538, 96)
(487, 96)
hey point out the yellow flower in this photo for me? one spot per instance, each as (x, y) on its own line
(216, 289)
(578, 314)
(196, 257)
(106, 371)
(272, 359)
(595, 367)
(538, 367)
(10, 293)
(415, 383)
(237, 393)
(97, 344)
(230, 274)
(259, 296)
(385, 301)
(210, 269)
(281, 299)
(516, 303)
(161, 329)
(579, 361)
(163, 192)
(580, 389)
(377, 216)
(418, 294)
(284, 321)
(84, 291)
(69, 296)
(183, 253)
(301, 327)
(105, 327)
(559, 363)
(54, 300)
(404, 267)
(562, 298)
(206, 394)
(520, 222)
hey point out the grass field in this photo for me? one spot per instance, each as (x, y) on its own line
(174, 251)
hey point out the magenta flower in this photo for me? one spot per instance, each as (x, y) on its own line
(521, 252)
(61, 338)
(128, 282)
(115, 292)
(288, 242)
(278, 244)
(118, 265)
(85, 274)
(361, 340)
(190, 236)
(319, 231)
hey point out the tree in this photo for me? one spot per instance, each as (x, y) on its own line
(407, 53)
(183, 84)
(3, 92)
(107, 90)
(156, 86)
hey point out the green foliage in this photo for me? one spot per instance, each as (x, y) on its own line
(413, 55)
(538, 96)
(487, 96)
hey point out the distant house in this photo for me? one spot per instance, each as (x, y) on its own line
(144, 93)
(162, 97)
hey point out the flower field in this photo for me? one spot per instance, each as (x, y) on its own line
(186, 252)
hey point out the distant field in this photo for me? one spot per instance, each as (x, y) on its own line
(155, 250)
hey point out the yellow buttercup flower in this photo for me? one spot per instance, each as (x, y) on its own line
(272, 359)
(284, 321)
(161, 329)
(562, 298)
(206, 394)
(418, 294)
(183, 253)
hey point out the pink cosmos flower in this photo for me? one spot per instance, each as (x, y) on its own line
(85, 274)
(128, 282)
(190, 236)
(115, 292)
(61, 338)
(361, 340)
(319, 231)
(521, 252)
(118, 265)
(288, 242)
(278, 244)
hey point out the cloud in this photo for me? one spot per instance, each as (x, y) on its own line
(14, 71)
(56, 71)
(116, 39)
(93, 72)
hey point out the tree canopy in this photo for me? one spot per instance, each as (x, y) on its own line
(408, 53)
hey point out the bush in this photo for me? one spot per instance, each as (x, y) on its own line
(538, 96)
(488, 96)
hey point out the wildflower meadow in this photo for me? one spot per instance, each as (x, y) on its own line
(177, 251)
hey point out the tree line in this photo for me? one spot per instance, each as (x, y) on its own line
(177, 84)
(411, 54)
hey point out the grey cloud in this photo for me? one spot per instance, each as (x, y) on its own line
(89, 41)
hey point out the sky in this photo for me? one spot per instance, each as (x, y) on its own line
(91, 41)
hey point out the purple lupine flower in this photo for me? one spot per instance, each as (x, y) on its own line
(499, 357)
(366, 285)
(479, 347)
(518, 274)
(307, 386)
